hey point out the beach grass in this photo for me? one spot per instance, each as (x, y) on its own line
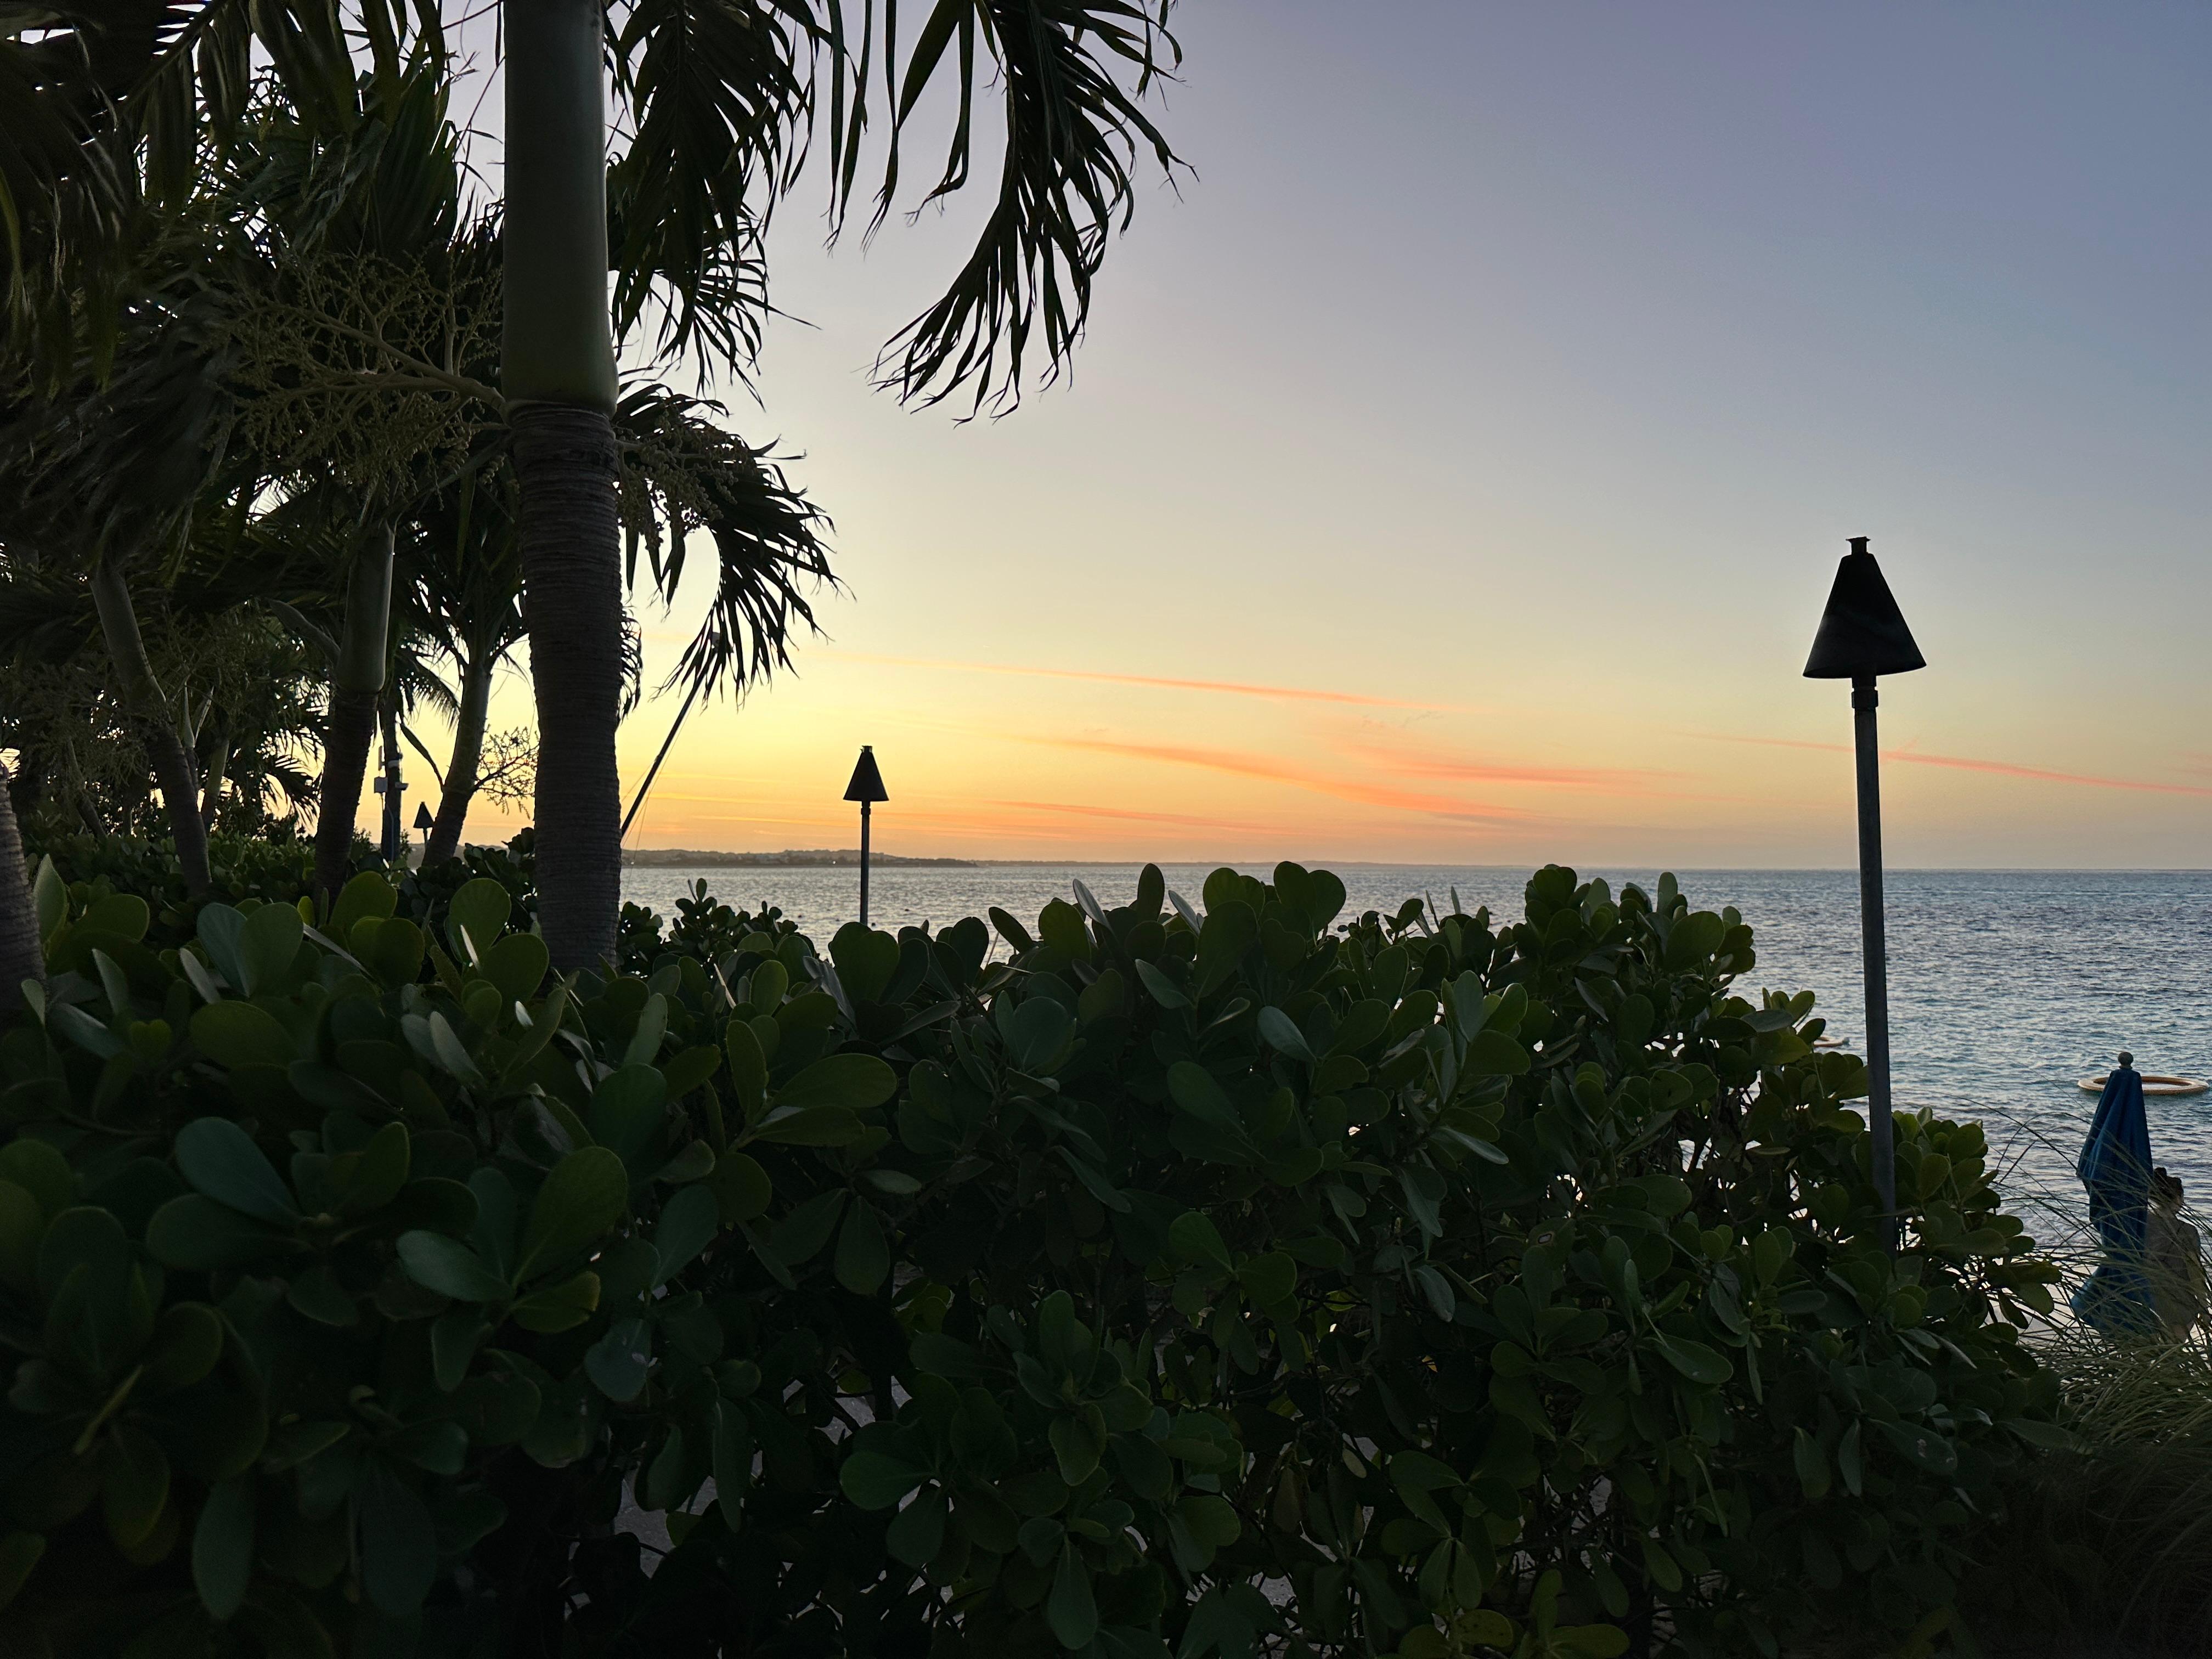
(2106, 1548)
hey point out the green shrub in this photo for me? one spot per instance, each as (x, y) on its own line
(244, 867)
(1185, 1281)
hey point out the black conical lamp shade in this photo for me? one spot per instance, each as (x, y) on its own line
(422, 819)
(867, 782)
(1862, 633)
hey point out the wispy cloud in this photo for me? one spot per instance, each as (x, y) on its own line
(1269, 768)
(1444, 766)
(1226, 688)
(1911, 756)
(1125, 815)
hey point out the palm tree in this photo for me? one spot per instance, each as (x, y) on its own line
(463, 603)
(248, 697)
(52, 102)
(360, 294)
(679, 470)
(100, 474)
(717, 103)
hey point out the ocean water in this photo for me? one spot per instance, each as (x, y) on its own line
(2006, 986)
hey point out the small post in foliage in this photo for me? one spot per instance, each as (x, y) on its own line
(1862, 635)
(391, 840)
(867, 786)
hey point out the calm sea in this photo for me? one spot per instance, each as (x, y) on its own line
(2005, 986)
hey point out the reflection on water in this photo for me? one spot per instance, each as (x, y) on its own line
(2005, 986)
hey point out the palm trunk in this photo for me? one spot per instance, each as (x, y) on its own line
(564, 463)
(557, 373)
(28, 787)
(390, 839)
(20, 957)
(211, 797)
(173, 770)
(467, 761)
(356, 688)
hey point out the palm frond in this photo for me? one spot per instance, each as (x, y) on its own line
(1073, 75)
(682, 471)
(717, 94)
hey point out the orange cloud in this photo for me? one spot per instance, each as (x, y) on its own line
(1455, 768)
(1229, 688)
(1270, 770)
(1967, 763)
(1125, 815)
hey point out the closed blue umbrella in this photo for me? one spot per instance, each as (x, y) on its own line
(2114, 1166)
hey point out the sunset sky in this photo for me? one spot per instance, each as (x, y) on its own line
(1460, 456)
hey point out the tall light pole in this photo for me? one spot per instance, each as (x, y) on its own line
(1862, 635)
(867, 786)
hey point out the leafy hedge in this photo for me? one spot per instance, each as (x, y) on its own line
(1193, 1281)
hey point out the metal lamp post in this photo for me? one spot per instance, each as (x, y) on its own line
(391, 785)
(867, 786)
(1862, 635)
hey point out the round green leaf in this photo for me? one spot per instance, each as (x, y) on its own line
(863, 1259)
(221, 1160)
(89, 1238)
(449, 1267)
(236, 1034)
(876, 1480)
(740, 1186)
(41, 1170)
(481, 909)
(268, 944)
(368, 894)
(187, 1341)
(1193, 1237)
(617, 1362)
(1695, 1360)
(196, 1235)
(688, 1225)
(125, 915)
(855, 1082)
(583, 1197)
(811, 1126)
(1071, 1610)
(1281, 1034)
(866, 961)
(560, 1307)
(134, 1484)
(398, 1544)
(223, 1549)
(517, 965)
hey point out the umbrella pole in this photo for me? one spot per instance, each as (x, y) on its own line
(1874, 949)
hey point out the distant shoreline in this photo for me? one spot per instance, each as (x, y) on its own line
(818, 858)
(846, 858)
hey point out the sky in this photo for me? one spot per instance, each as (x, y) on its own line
(1462, 447)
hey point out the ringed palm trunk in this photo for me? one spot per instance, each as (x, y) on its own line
(142, 695)
(467, 761)
(356, 688)
(20, 959)
(211, 797)
(392, 837)
(557, 374)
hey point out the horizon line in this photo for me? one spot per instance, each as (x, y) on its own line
(1600, 867)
